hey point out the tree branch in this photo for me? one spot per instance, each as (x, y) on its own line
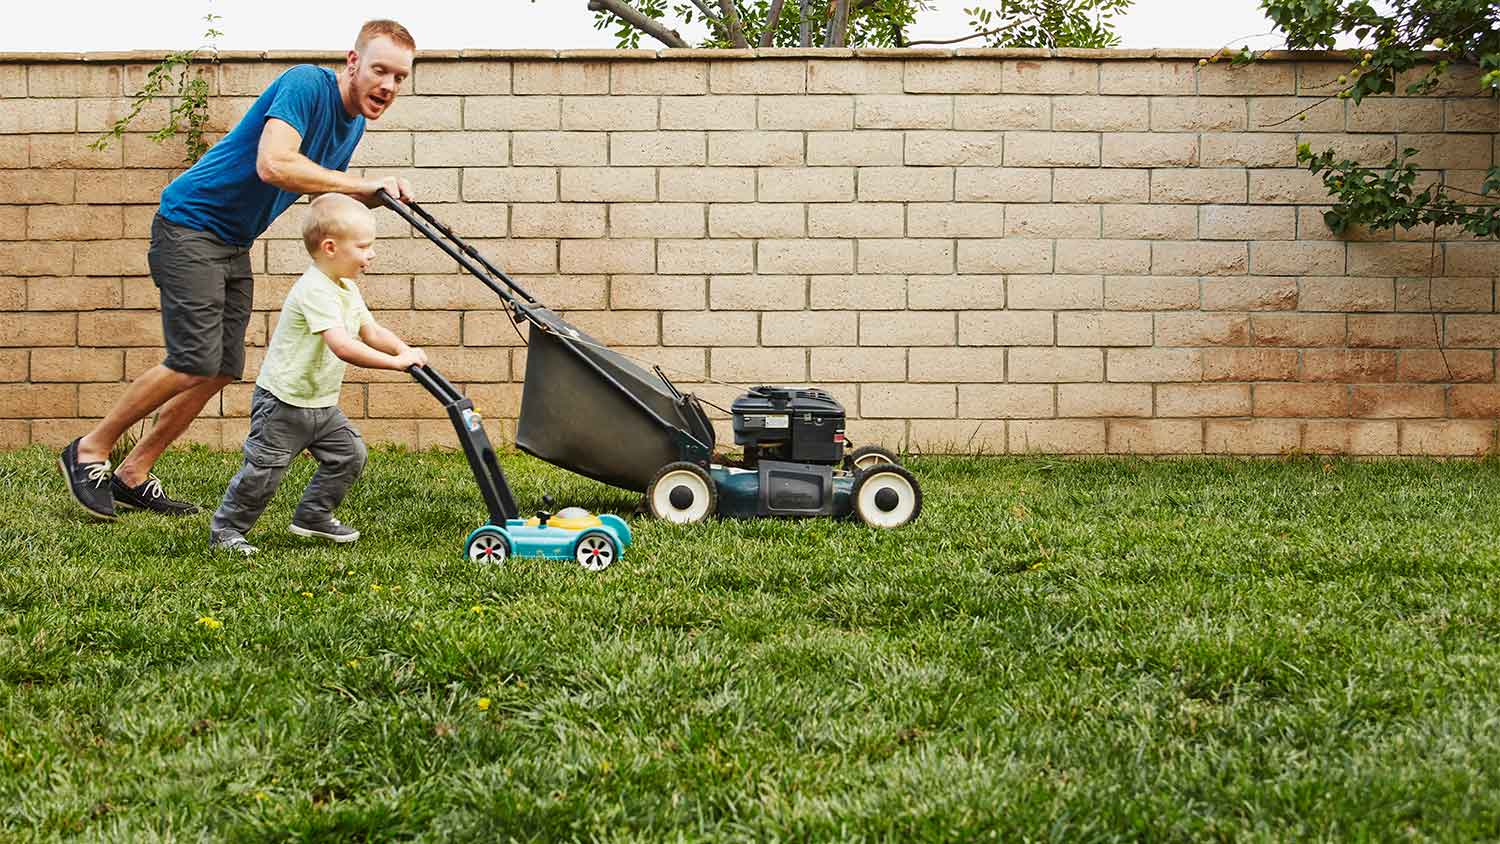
(736, 30)
(772, 17)
(983, 34)
(838, 25)
(708, 14)
(806, 25)
(629, 14)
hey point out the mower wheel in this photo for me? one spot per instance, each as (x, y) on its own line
(489, 544)
(886, 496)
(683, 493)
(866, 456)
(595, 550)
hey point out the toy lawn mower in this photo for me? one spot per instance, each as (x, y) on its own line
(591, 410)
(572, 533)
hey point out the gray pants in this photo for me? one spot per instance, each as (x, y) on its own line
(278, 433)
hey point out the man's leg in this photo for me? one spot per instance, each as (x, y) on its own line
(191, 269)
(156, 386)
(176, 415)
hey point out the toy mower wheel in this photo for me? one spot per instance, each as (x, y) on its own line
(595, 550)
(489, 544)
(886, 496)
(866, 456)
(683, 493)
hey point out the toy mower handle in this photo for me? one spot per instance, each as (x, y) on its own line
(441, 388)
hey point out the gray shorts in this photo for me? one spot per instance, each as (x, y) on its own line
(206, 295)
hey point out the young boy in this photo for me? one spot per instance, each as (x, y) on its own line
(323, 325)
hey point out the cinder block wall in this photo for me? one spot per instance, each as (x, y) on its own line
(1002, 251)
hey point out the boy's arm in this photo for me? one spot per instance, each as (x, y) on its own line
(377, 336)
(351, 349)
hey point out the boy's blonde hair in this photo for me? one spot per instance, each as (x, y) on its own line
(331, 215)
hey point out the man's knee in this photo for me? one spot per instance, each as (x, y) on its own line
(192, 375)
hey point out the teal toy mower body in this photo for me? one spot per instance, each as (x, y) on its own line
(593, 542)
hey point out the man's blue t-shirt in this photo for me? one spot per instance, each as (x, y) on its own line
(222, 193)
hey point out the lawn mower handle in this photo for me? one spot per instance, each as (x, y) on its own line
(467, 256)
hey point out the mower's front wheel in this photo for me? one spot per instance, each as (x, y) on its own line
(595, 550)
(886, 496)
(683, 493)
(868, 455)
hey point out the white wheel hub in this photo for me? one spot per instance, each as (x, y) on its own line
(681, 497)
(887, 500)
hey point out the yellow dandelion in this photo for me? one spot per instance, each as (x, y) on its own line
(353, 663)
(260, 795)
(476, 609)
(210, 622)
(307, 594)
(484, 704)
(374, 587)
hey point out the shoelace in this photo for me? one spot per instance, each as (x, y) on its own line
(153, 487)
(99, 473)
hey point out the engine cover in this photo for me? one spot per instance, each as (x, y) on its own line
(803, 425)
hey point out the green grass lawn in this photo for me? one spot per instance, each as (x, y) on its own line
(1058, 650)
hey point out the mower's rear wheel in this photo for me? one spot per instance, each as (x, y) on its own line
(886, 496)
(866, 456)
(488, 544)
(683, 493)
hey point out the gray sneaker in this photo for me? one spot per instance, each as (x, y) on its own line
(235, 544)
(330, 530)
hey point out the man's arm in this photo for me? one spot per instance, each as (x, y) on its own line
(351, 349)
(279, 162)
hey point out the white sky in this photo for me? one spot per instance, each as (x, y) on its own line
(93, 25)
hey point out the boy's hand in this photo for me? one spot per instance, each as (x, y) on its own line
(409, 358)
(421, 355)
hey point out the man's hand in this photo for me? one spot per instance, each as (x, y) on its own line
(393, 185)
(421, 356)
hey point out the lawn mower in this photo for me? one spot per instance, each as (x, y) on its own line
(594, 411)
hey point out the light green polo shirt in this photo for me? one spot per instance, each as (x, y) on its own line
(299, 367)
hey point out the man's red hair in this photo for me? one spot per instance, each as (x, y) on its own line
(389, 28)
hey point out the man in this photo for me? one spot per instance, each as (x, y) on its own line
(296, 139)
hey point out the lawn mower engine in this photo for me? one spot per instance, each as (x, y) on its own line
(789, 424)
(793, 439)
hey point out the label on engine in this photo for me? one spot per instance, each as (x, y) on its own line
(778, 421)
